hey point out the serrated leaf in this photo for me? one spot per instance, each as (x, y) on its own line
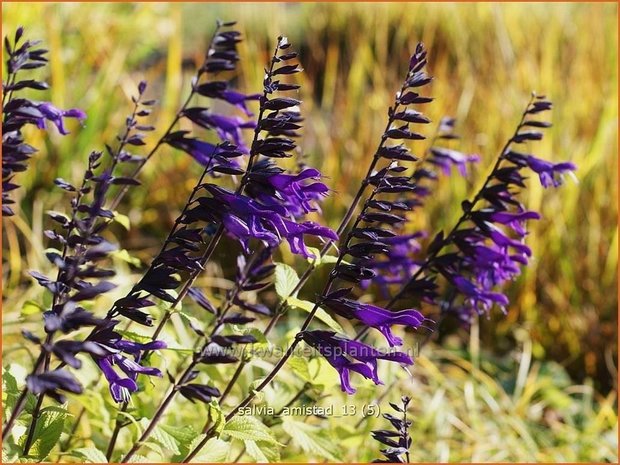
(311, 439)
(166, 440)
(216, 416)
(248, 428)
(285, 280)
(90, 455)
(262, 452)
(321, 314)
(215, 450)
(184, 434)
(137, 458)
(47, 432)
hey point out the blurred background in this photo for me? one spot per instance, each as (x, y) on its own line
(552, 360)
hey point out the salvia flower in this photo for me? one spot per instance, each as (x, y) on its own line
(54, 115)
(489, 240)
(298, 192)
(119, 351)
(346, 355)
(374, 316)
(246, 219)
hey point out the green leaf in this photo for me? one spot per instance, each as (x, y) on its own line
(47, 432)
(321, 314)
(248, 428)
(31, 308)
(123, 220)
(135, 337)
(125, 256)
(262, 451)
(184, 434)
(90, 455)
(216, 416)
(300, 367)
(312, 439)
(215, 450)
(166, 440)
(137, 458)
(285, 280)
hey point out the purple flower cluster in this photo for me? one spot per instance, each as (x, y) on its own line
(346, 356)
(245, 219)
(487, 246)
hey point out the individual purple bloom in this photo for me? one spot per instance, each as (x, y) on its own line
(376, 317)
(550, 174)
(227, 127)
(55, 116)
(295, 232)
(447, 158)
(346, 355)
(112, 342)
(120, 388)
(238, 99)
(51, 382)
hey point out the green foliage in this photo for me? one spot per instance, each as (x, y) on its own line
(312, 439)
(90, 455)
(47, 432)
(214, 451)
(247, 428)
(285, 280)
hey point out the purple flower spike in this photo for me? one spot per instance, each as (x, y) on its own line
(346, 355)
(376, 317)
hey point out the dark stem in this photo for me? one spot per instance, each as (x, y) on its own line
(37, 409)
(118, 425)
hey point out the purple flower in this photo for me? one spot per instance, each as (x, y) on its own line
(295, 191)
(227, 127)
(246, 219)
(51, 382)
(121, 387)
(220, 90)
(550, 174)
(376, 317)
(239, 100)
(220, 158)
(446, 159)
(346, 355)
(55, 116)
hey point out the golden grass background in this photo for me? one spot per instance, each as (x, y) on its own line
(486, 59)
